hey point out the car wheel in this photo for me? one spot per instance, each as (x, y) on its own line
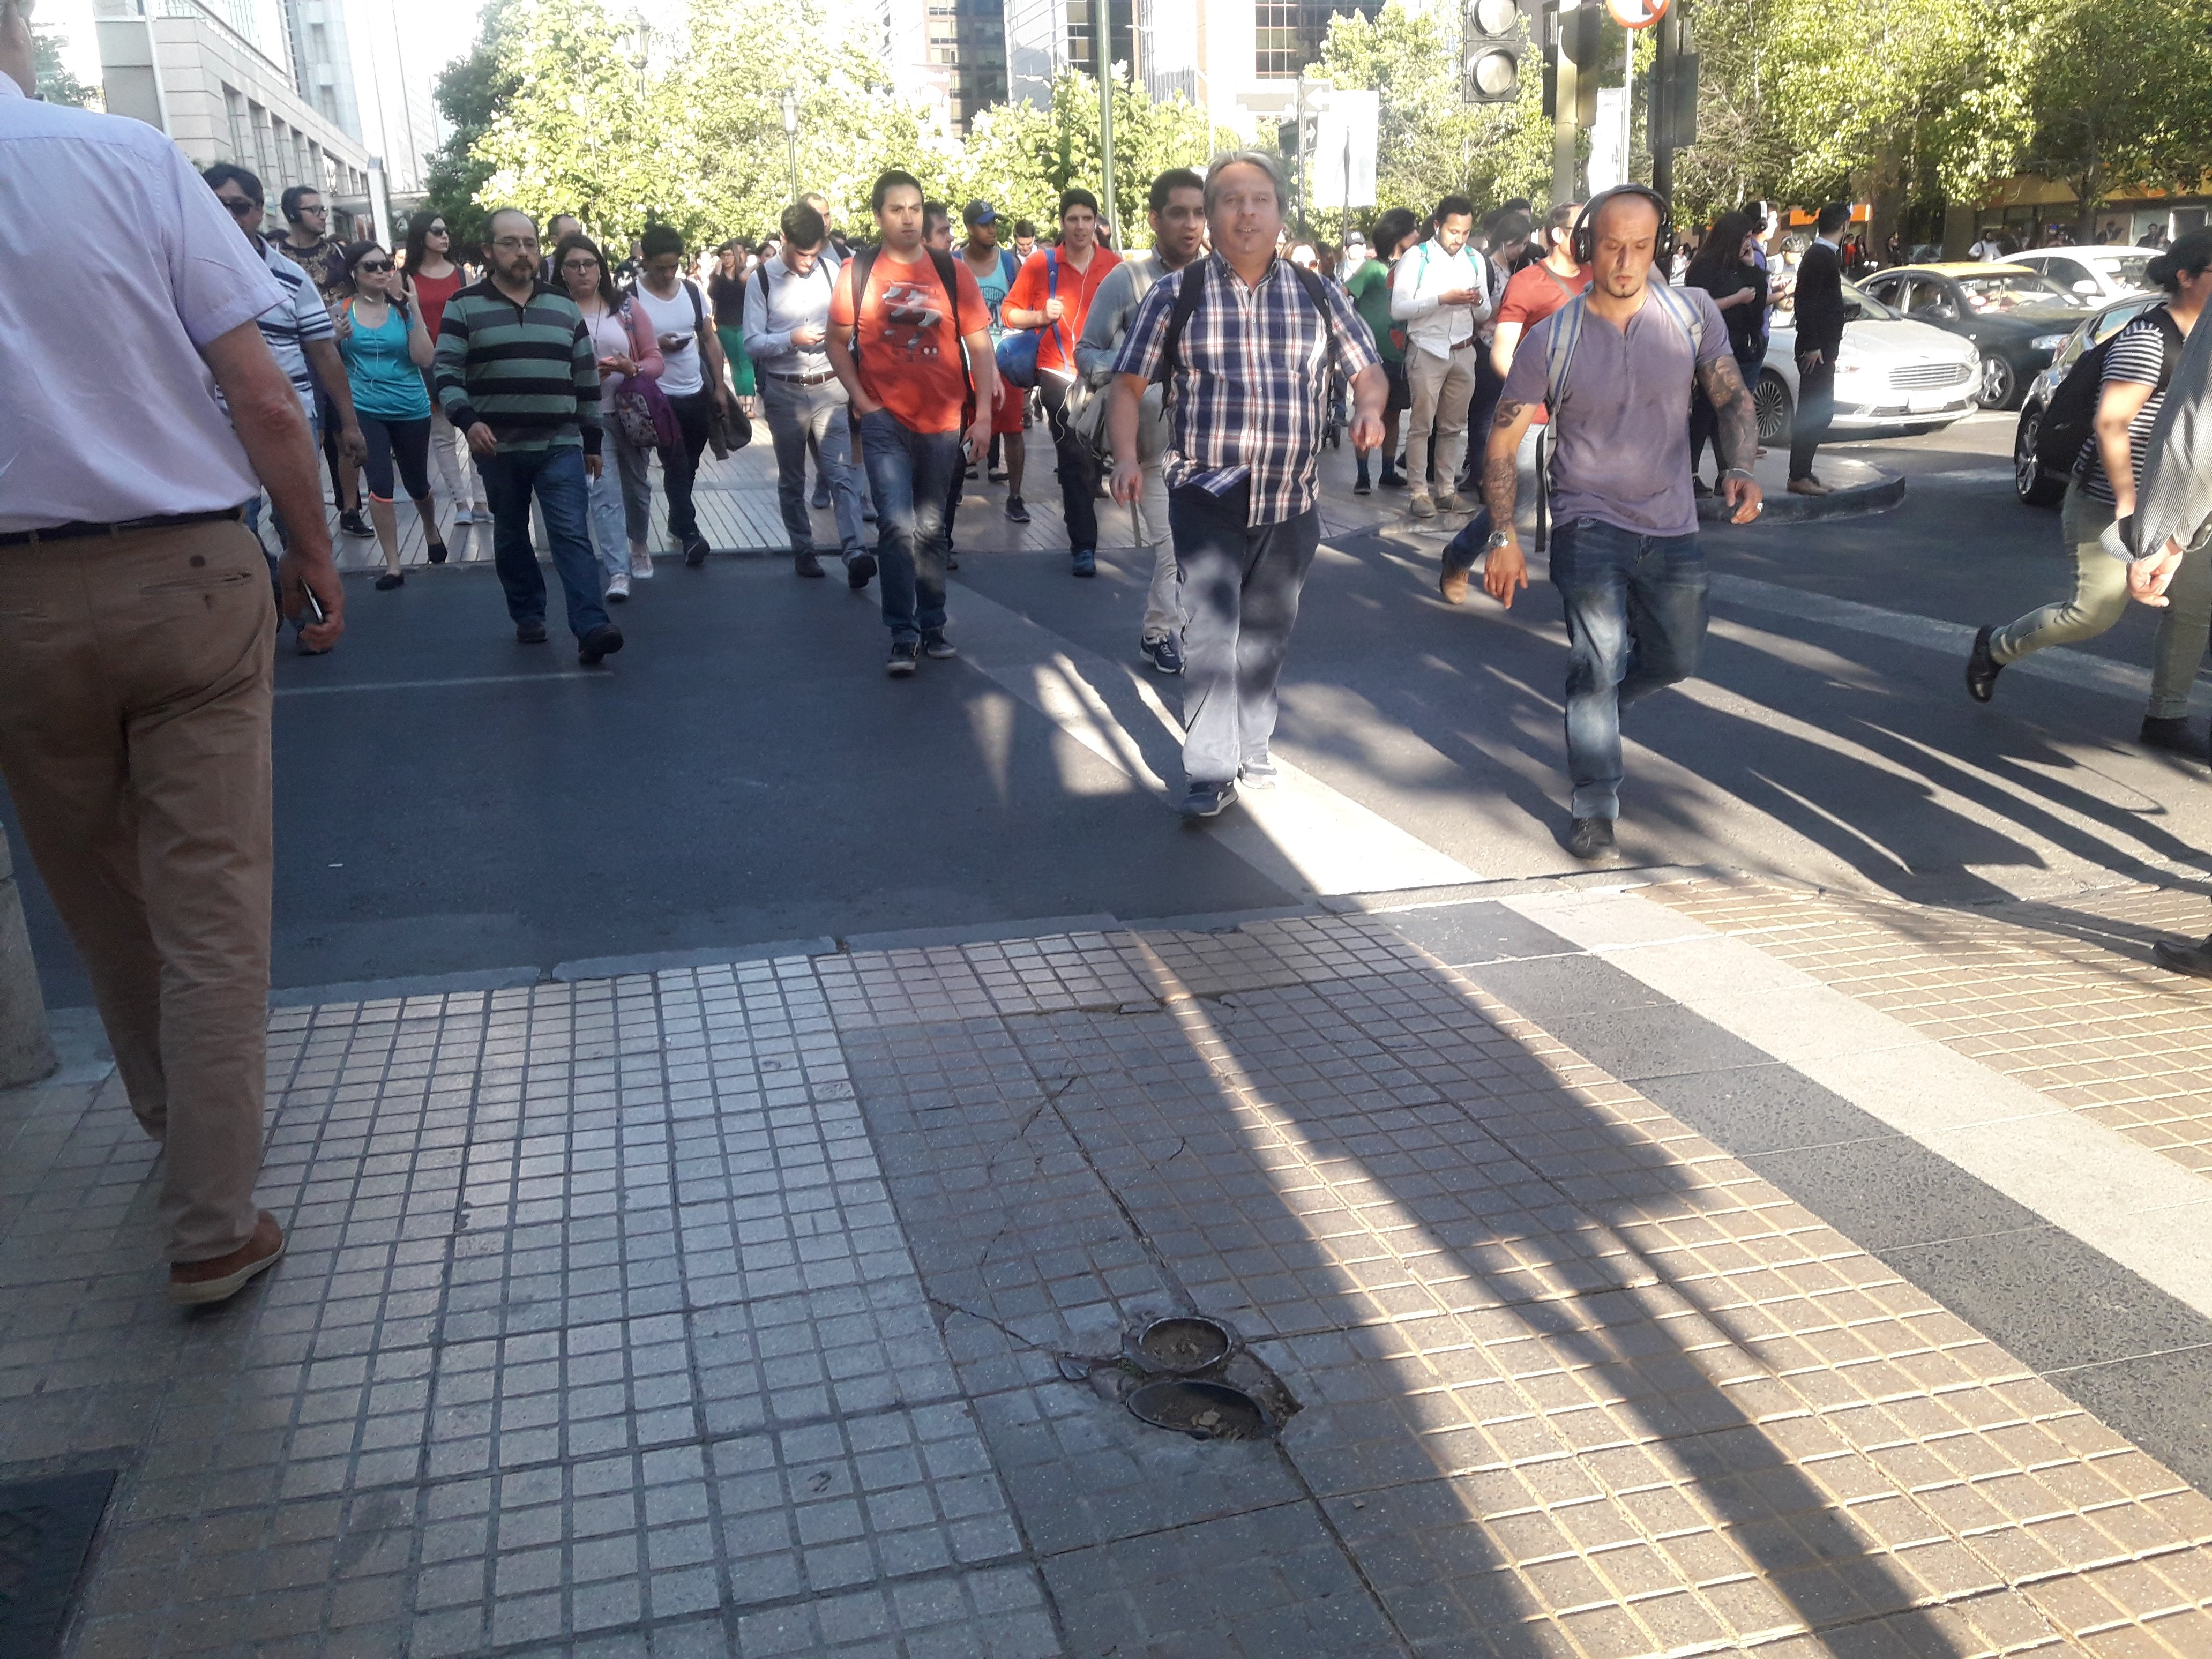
(1770, 398)
(1996, 385)
(2034, 487)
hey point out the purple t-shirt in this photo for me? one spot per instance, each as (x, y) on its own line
(1622, 424)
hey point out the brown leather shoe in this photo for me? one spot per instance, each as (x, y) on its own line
(1452, 585)
(1809, 487)
(197, 1284)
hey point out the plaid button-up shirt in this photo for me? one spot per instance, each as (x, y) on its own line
(1251, 381)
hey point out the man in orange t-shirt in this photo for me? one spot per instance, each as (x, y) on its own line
(1053, 295)
(910, 338)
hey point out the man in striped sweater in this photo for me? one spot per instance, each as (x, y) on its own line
(515, 373)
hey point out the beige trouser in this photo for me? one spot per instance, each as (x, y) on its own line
(135, 696)
(1442, 387)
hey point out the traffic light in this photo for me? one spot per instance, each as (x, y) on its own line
(1492, 44)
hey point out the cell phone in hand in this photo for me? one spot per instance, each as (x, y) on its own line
(312, 608)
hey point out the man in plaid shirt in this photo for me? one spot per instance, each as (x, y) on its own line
(1246, 383)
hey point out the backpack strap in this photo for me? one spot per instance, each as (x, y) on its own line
(1188, 293)
(1684, 311)
(1316, 293)
(698, 305)
(863, 262)
(1560, 349)
(942, 263)
(2171, 342)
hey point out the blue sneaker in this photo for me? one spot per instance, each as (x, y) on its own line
(1086, 563)
(1164, 655)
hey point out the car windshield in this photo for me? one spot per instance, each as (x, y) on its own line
(1859, 306)
(2128, 269)
(2004, 291)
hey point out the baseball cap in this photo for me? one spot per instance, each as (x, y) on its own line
(979, 213)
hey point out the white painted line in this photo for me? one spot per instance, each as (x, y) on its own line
(432, 685)
(1302, 834)
(2141, 1209)
(1970, 475)
(2075, 668)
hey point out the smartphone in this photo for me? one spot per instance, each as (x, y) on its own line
(311, 608)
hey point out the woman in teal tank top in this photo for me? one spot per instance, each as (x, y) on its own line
(385, 348)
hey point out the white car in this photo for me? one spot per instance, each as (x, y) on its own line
(2097, 274)
(1892, 373)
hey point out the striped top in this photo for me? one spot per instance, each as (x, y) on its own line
(289, 328)
(528, 372)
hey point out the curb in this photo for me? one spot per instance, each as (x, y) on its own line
(1782, 507)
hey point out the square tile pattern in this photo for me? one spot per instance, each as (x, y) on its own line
(775, 1308)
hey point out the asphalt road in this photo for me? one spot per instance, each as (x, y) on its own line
(448, 800)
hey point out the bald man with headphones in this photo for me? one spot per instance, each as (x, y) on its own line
(1615, 366)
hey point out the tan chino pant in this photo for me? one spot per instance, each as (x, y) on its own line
(135, 697)
(1443, 388)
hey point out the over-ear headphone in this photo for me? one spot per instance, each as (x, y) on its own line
(1581, 243)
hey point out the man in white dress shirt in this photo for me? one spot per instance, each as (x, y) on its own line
(1441, 293)
(137, 645)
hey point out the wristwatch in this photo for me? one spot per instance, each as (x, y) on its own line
(1500, 538)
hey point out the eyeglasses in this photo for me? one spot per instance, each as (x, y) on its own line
(580, 266)
(514, 244)
(304, 209)
(373, 267)
(240, 206)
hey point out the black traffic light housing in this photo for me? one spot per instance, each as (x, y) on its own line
(1575, 35)
(1493, 44)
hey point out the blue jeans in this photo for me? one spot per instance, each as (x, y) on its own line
(796, 414)
(910, 474)
(1636, 620)
(556, 477)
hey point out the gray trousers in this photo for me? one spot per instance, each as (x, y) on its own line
(1240, 601)
(795, 413)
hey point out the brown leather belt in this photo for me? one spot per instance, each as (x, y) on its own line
(802, 380)
(80, 529)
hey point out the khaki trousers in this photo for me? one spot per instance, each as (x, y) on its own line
(135, 697)
(1443, 388)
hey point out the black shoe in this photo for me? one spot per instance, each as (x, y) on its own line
(2172, 735)
(353, 524)
(388, 579)
(996, 474)
(2195, 960)
(1982, 669)
(1699, 488)
(602, 642)
(1391, 479)
(530, 631)
(807, 565)
(937, 647)
(1015, 511)
(952, 562)
(821, 496)
(1591, 839)
(1084, 562)
(902, 662)
(1206, 800)
(1361, 487)
(1164, 653)
(858, 569)
(436, 553)
(970, 473)
(694, 550)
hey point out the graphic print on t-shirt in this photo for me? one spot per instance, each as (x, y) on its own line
(913, 321)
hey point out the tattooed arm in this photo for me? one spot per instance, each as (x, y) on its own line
(1504, 570)
(1738, 438)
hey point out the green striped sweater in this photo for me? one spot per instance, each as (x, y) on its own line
(528, 372)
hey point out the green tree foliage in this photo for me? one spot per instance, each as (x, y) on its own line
(1432, 142)
(55, 84)
(470, 94)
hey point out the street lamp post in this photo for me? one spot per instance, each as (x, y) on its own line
(790, 137)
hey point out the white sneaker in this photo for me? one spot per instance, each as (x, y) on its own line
(618, 586)
(463, 515)
(640, 564)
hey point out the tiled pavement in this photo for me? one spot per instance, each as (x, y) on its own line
(778, 1308)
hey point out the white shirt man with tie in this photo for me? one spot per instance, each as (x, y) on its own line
(1442, 295)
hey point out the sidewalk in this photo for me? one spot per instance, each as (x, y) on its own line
(784, 1306)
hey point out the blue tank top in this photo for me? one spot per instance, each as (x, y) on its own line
(386, 382)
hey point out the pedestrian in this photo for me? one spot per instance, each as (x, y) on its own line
(1053, 295)
(1507, 247)
(1242, 341)
(995, 269)
(436, 279)
(1440, 294)
(1176, 208)
(898, 321)
(516, 372)
(1625, 551)
(1725, 269)
(632, 262)
(1536, 290)
(1988, 250)
(693, 378)
(787, 320)
(2140, 363)
(618, 501)
(937, 237)
(726, 288)
(1024, 239)
(1370, 289)
(558, 229)
(1820, 319)
(385, 348)
(136, 643)
(307, 243)
(301, 337)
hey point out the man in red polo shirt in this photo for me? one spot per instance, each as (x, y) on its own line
(1053, 295)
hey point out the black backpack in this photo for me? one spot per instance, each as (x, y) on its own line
(2070, 418)
(941, 262)
(1188, 293)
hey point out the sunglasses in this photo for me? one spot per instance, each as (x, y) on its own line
(239, 206)
(373, 267)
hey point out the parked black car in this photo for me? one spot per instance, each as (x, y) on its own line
(2035, 484)
(2016, 318)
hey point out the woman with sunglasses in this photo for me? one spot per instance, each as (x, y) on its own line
(386, 348)
(436, 276)
(620, 499)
